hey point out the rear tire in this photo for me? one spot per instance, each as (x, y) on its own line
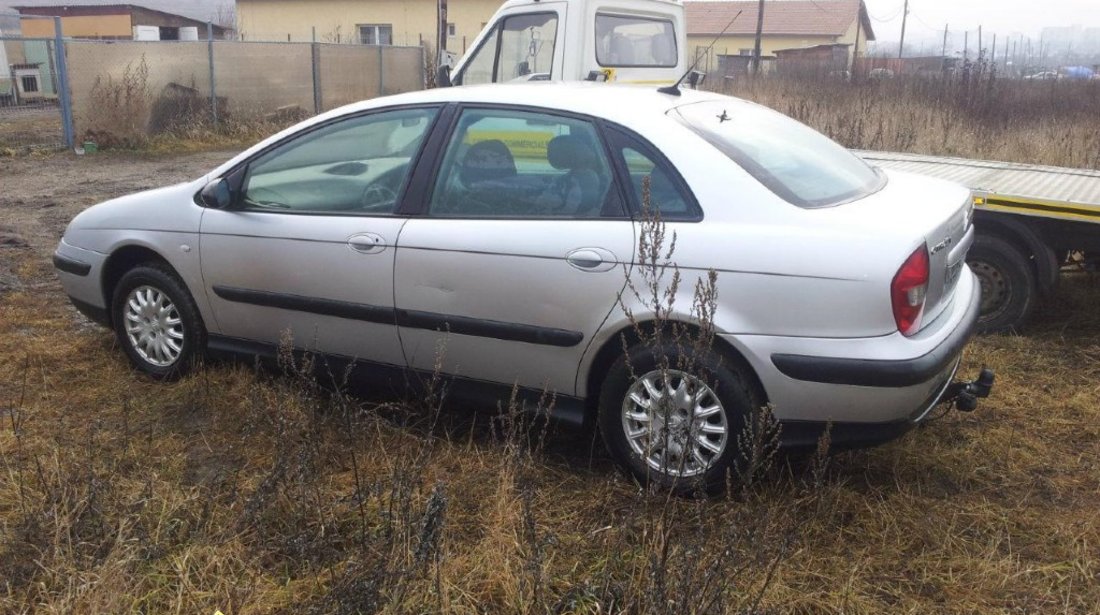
(1007, 281)
(156, 322)
(716, 401)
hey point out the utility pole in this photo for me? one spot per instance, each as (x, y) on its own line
(759, 36)
(943, 53)
(993, 55)
(855, 52)
(904, 18)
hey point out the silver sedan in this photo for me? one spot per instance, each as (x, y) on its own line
(501, 232)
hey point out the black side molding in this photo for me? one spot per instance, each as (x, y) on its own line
(298, 303)
(513, 332)
(413, 319)
(68, 265)
(881, 373)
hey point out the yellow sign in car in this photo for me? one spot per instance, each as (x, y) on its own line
(528, 145)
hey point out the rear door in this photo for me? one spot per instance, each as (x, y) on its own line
(519, 255)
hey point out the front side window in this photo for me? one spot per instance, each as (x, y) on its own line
(376, 34)
(635, 41)
(797, 163)
(519, 47)
(519, 164)
(357, 165)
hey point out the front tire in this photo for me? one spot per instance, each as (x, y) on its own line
(156, 322)
(676, 419)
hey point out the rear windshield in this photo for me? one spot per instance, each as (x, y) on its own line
(635, 41)
(799, 164)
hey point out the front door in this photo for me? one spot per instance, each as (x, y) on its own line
(520, 255)
(306, 255)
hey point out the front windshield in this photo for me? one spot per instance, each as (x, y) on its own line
(799, 164)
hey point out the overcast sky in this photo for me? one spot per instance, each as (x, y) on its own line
(927, 17)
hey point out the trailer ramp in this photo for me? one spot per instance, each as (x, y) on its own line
(1023, 189)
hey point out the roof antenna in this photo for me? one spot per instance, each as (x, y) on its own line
(674, 89)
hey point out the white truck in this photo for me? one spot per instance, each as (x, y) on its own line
(626, 41)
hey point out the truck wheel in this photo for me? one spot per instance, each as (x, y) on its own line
(1007, 283)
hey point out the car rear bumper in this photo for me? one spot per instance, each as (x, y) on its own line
(884, 373)
(868, 389)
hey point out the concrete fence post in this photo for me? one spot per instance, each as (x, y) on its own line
(381, 71)
(423, 68)
(213, 83)
(315, 54)
(64, 96)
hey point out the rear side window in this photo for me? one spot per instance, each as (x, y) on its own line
(635, 41)
(653, 184)
(797, 163)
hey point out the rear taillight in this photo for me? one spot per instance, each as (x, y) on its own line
(908, 289)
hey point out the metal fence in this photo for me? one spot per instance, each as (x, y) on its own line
(120, 92)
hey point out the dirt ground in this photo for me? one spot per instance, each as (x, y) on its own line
(40, 194)
(234, 492)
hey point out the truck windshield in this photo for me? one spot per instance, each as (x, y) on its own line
(519, 47)
(635, 41)
(797, 163)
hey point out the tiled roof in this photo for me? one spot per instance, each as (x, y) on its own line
(199, 10)
(786, 17)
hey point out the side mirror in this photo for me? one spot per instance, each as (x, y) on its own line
(696, 78)
(443, 77)
(216, 194)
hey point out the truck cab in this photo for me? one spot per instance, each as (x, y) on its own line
(626, 41)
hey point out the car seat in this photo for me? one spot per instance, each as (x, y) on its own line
(580, 191)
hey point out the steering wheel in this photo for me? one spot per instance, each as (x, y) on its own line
(377, 197)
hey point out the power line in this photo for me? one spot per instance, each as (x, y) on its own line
(897, 12)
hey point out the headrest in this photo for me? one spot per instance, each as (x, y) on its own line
(567, 152)
(487, 160)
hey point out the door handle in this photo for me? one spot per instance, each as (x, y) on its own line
(367, 243)
(591, 259)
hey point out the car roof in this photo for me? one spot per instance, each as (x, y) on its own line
(597, 99)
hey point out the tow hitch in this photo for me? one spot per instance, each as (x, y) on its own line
(965, 394)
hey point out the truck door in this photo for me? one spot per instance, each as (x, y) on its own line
(527, 45)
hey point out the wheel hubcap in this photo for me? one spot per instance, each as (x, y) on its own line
(153, 326)
(995, 288)
(675, 422)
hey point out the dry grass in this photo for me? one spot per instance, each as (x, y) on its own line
(23, 129)
(254, 493)
(251, 492)
(1052, 123)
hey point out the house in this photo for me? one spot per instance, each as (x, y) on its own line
(111, 22)
(385, 22)
(788, 25)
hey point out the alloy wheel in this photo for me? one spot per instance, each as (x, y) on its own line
(153, 326)
(675, 422)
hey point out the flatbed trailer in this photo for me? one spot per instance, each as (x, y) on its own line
(1028, 219)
